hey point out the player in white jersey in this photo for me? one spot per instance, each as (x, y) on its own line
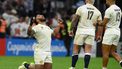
(88, 16)
(111, 37)
(42, 50)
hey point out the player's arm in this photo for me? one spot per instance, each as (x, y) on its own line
(105, 21)
(99, 31)
(102, 25)
(30, 32)
(106, 17)
(75, 19)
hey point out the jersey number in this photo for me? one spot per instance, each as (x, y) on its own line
(118, 16)
(90, 14)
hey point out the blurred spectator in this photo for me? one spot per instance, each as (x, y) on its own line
(10, 16)
(2, 28)
(43, 7)
(29, 7)
(19, 5)
(7, 5)
(15, 29)
(54, 21)
(19, 29)
(64, 33)
(1, 9)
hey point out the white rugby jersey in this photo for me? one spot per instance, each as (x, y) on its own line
(43, 36)
(113, 13)
(88, 16)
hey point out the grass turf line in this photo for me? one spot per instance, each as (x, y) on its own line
(12, 62)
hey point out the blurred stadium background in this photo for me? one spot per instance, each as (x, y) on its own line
(16, 45)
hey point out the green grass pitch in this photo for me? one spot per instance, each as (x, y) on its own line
(12, 62)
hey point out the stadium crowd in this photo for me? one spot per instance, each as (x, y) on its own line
(16, 15)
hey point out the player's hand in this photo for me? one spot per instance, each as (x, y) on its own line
(98, 38)
(71, 33)
(60, 23)
(94, 24)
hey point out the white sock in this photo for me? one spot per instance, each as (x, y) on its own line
(72, 67)
(120, 61)
(85, 68)
(104, 68)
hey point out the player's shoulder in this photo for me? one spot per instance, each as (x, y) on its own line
(36, 26)
(112, 8)
(109, 9)
(47, 26)
(97, 9)
(81, 7)
(115, 6)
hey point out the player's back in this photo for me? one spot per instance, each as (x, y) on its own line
(43, 36)
(88, 15)
(114, 15)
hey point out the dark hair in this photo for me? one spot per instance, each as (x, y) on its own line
(42, 20)
(32, 20)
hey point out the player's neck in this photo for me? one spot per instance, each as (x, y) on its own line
(112, 3)
(43, 23)
(89, 3)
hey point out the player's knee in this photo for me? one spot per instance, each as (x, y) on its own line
(74, 53)
(88, 54)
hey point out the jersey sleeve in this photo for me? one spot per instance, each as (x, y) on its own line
(78, 11)
(107, 13)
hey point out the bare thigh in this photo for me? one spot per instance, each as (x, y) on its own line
(48, 66)
(38, 66)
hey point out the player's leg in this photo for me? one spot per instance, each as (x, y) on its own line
(36, 66)
(87, 49)
(48, 61)
(48, 66)
(75, 55)
(39, 62)
(87, 55)
(77, 41)
(114, 48)
(115, 54)
(39, 58)
(105, 54)
(26, 65)
(106, 47)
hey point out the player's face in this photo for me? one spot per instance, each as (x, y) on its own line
(39, 17)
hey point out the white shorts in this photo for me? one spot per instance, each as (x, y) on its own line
(111, 39)
(80, 39)
(41, 57)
